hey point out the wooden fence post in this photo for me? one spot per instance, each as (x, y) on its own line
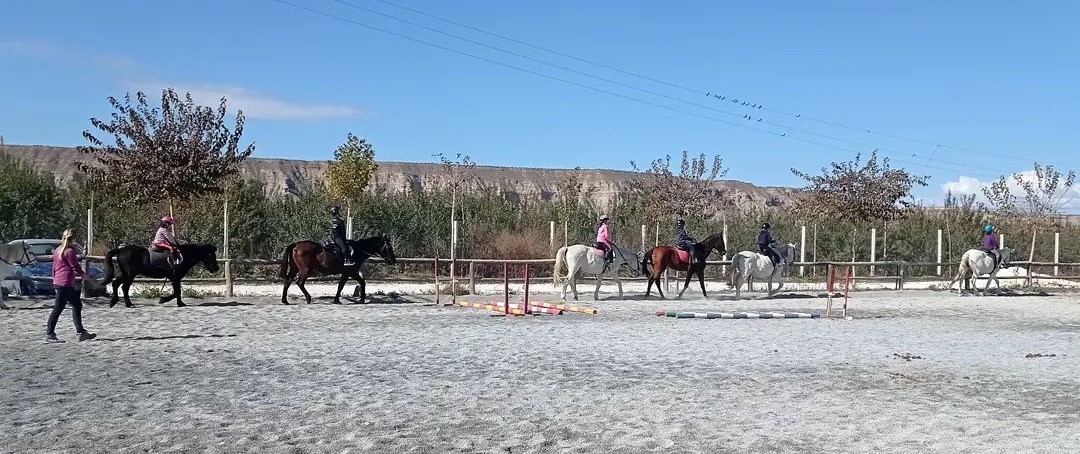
(472, 278)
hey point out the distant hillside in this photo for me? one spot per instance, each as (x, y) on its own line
(285, 176)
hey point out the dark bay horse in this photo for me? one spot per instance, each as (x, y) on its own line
(133, 260)
(305, 259)
(663, 258)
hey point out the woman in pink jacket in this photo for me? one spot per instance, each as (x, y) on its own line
(65, 269)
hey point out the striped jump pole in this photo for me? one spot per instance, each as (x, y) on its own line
(677, 314)
(498, 307)
(517, 310)
(564, 307)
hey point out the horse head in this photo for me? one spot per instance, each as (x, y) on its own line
(202, 253)
(1006, 256)
(714, 242)
(633, 264)
(787, 252)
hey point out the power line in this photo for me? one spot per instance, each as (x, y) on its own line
(596, 89)
(746, 117)
(696, 91)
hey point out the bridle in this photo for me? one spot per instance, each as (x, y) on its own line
(32, 259)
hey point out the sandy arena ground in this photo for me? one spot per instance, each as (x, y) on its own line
(915, 371)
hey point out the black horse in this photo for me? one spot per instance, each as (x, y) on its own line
(133, 260)
(305, 259)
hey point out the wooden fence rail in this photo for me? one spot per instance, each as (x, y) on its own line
(899, 277)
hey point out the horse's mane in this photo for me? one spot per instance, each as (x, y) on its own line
(712, 238)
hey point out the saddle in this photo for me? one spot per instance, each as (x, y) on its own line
(332, 247)
(160, 259)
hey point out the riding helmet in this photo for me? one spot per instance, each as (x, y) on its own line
(766, 226)
(680, 222)
(168, 219)
(603, 217)
(335, 209)
(988, 229)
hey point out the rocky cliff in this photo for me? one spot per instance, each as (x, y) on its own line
(285, 176)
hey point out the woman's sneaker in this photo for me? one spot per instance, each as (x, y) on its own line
(52, 339)
(86, 335)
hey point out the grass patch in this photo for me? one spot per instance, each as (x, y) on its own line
(185, 292)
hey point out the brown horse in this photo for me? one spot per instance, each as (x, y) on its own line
(304, 259)
(666, 257)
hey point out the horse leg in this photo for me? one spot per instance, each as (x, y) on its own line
(341, 284)
(300, 283)
(596, 291)
(701, 281)
(572, 272)
(289, 278)
(738, 284)
(179, 296)
(363, 285)
(689, 275)
(115, 296)
(659, 286)
(618, 282)
(127, 294)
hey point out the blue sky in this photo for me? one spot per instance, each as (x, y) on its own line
(994, 82)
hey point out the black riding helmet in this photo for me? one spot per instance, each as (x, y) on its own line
(766, 226)
(680, 222)
(335, 210)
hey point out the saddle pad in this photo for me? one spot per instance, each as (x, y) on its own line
(159, 259)
(684, 257)
(599, 252)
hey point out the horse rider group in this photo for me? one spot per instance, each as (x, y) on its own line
(689, 244)
(164, 241)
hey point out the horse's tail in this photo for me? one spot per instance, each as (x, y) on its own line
(560, 261)
(110, 272)
(646, 262)
(286, 261)
(737, 266)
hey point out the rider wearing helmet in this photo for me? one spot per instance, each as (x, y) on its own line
(164, 241)
(603, 241)
(990, 244)
(337, 234)
(686, 242)
(765, 242)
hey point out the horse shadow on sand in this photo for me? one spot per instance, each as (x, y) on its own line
(156, 338)
(377, 298)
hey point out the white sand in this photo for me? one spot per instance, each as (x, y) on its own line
(396, 377)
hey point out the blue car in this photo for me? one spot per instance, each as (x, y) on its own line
(39, 275)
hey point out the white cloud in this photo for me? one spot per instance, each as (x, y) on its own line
(254, 105)
(120, 68)
(965, 185)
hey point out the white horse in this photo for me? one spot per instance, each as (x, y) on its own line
(13, 255)
(581, 259)
(976, 262)
(759, 266)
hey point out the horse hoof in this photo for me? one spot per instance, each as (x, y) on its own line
(286, 303)
(179, 304)
(337, 301)
(113, 303)
(129, 305)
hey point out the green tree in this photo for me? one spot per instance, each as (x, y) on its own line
(857, 193)
(177, 152)
(1042, 197)
(30, 203)
(347, 176)
(690, 193)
